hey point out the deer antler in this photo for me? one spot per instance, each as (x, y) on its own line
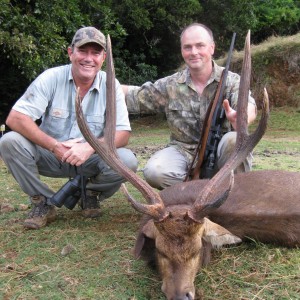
(105, 147)
(245, 143)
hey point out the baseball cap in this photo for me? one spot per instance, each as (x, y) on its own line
(89, 35)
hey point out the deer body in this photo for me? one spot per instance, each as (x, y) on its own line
(262, 205)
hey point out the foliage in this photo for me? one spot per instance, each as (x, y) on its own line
(32, 40)
(263, 17)
(270, 60)
(34, 34)
(277, 17)
(153, 29)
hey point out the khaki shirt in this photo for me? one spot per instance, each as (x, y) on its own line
(51, 97)
(185, 109)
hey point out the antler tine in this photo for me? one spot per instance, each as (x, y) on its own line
(209, 200)
(242, 107)
(106, 147)
(110, 126)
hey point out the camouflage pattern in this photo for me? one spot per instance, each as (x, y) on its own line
(88, 35)
(185, 109)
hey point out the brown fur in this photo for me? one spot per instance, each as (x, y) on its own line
(178, 246)
(263, 205)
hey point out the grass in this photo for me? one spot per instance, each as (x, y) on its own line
(100, 265)
(280, 146)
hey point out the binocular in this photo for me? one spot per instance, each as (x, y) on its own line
(70, 193)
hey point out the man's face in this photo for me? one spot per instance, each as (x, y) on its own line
(197, 47)
(86, 61)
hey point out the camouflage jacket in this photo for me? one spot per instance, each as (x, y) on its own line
(185, 109)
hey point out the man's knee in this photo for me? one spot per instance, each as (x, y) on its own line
(226, 148)
(165, 168)
(227, 143)
(128, 158)
(8, 142)
(155, 170)
(109, 176)
(154, 176)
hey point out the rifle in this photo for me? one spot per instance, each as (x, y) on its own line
(212, 129)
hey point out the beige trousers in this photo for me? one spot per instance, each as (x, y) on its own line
(169, 166)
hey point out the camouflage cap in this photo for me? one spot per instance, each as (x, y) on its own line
(87, 35)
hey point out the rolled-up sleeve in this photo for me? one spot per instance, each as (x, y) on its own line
(148, 98)
(122, 121)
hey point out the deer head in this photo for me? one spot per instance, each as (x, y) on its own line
(181, 234)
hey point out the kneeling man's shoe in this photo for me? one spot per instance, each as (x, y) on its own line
(90, 207)
(41, 214)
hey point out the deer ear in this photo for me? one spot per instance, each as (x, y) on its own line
(148, 231)
(217, 235)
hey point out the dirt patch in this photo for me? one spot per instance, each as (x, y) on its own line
(146, 151)
(270, 153)
(276, 66)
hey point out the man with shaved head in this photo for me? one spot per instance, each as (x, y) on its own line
(185, 97)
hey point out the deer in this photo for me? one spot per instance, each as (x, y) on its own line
(182, 223)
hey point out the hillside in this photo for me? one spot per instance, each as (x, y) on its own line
(276, 66)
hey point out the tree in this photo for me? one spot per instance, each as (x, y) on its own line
(277, 17)
(263, 17)
(152, 30)
(35, 34)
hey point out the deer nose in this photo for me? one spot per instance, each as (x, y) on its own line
(186, 296)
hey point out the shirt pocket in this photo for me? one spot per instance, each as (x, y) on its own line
(96, 124)
(59, 121)
(177, 111)
(182, 122)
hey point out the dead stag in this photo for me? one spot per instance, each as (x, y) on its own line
(176, 228)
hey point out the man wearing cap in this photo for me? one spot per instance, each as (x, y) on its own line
(56, 147)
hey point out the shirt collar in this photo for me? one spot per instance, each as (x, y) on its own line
(216, 73)
(185, 76)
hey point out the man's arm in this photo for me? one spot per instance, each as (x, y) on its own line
(125, 89)
(72, 152)
(147, 98)
(122, 138)
(131, 98)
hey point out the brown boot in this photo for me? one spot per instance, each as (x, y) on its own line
(40, 214)
(90, 207)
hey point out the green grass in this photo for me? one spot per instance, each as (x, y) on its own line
(102, 266)
(280, 146)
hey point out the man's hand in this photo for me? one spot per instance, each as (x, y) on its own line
(76, 153)
(230, 113)
(71, 142)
